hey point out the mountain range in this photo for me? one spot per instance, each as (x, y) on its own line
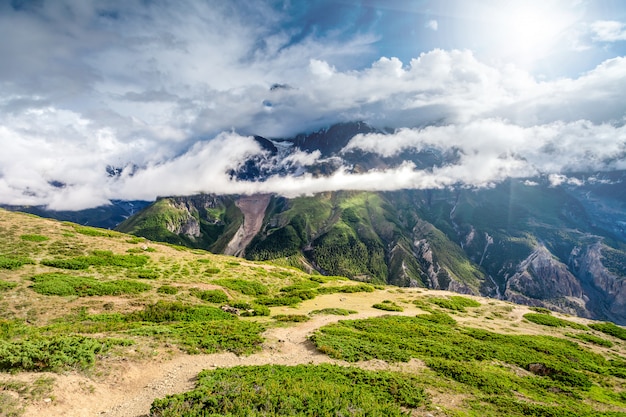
(560, 245)
(531, 241)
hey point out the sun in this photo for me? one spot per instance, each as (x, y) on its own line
(522, 31)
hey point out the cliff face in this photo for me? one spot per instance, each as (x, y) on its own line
(253, 209)
(608, 288)
(542, 280)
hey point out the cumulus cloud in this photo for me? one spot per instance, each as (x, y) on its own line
(170, 93)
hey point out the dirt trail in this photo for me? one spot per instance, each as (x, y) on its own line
(131, 387)
(253, 209)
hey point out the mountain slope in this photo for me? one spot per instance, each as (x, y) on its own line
(96, 322)
(533, 244)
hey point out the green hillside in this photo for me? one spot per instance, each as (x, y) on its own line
(90, 305)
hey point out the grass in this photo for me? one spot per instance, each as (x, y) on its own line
(293, 318)
(81, 286)
(243, 286)
(547, 320)
(334, 311)
(587, 337)
(51, 353)
(610, 329)
(304, 390)
(7, 285)
(469, 372)
(454, 302)
(167, 289)
(388, 305)
(558, 371)
(34, 238)
(14, 262)
(211, 296)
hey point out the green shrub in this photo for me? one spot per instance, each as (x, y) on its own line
(167, 289)
(64, 285)
(455, 302)
(610, 329)
(346, 289)
(243, 286)
(546, 320)
(165, 311)
(334, 311)
(232, 335)
(6, 285)
(251, 310)
(211, 296)
(398, 338)
(284, 300)
(295, 318)
(300, 286)
(98, 258)
(14, 262)
(50, 354)
(541, 310)
(92, 231)
(34, 238)
(72, 263)
(586, 337)
(388, 306)
(474, 374)
(148, 274)
(303, 390)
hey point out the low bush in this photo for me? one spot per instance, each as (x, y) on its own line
(148, 274)
(346, 289)
(165, 311)
(50, 354)
(334, 311)
(610, 329)
(243, 286)
(284, 300)
(14, 262)
(100, 258)
(388, 306)
(64, 285)
(541, 310)
(34, 238)
(300, 286)
(167, 289)
(7, 285)
(547, 320)
(295, 318)
(251, 310)
(237, 336)
(92, 231)
(586, 337)
(398, 338)
(211, 296)
(455, 302)
(71, 263)
(303, 390)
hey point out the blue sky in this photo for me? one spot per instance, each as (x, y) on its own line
(169, 91)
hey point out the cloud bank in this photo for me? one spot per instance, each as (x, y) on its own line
(114, 100)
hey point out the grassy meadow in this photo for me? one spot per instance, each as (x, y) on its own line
(80, 300)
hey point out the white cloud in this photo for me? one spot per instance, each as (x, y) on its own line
(608, 31)
(161, 89)
(432, 25)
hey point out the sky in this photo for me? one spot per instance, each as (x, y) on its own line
(103, 100)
